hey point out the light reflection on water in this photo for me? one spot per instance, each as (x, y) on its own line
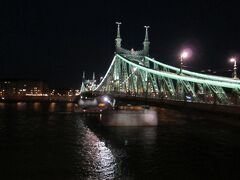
(37, 106)
(52, 107)
(2, 105)
(100, 160)
(21, 106)
(69, 107)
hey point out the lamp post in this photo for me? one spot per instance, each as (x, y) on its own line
(233, 60)
(184, 55)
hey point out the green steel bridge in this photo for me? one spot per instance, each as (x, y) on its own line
(134, 73)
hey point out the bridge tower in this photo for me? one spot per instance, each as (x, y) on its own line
(88, 84)
(83, 87)
(134, 55)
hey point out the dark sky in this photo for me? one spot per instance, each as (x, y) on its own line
(57, 40)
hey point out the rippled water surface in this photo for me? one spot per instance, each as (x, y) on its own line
(47, 141)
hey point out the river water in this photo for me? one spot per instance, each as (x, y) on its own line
(47, 141)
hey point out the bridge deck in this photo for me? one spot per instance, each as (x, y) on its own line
(213, 108)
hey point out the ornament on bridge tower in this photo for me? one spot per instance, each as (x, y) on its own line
(93, 76)
(83, 76)
(132, 51)
(146, 42)
(118, 39)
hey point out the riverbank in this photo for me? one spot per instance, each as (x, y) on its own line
(39, 99)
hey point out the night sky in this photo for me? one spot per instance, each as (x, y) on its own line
(55, 41)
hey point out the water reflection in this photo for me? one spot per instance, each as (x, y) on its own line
(134, 149)
(52, 107)
(21, 106)
(70, 107)
(37, 106)
(99, 160)
(2, 105)
(170, 116)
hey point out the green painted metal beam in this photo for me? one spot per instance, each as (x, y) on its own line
(199, 75)
(231, 85)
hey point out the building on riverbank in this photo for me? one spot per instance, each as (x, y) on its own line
(34, 90)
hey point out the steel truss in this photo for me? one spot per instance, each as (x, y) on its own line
(153, 79)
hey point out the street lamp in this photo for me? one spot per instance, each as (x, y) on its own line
(184, 55)
(233, 60)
